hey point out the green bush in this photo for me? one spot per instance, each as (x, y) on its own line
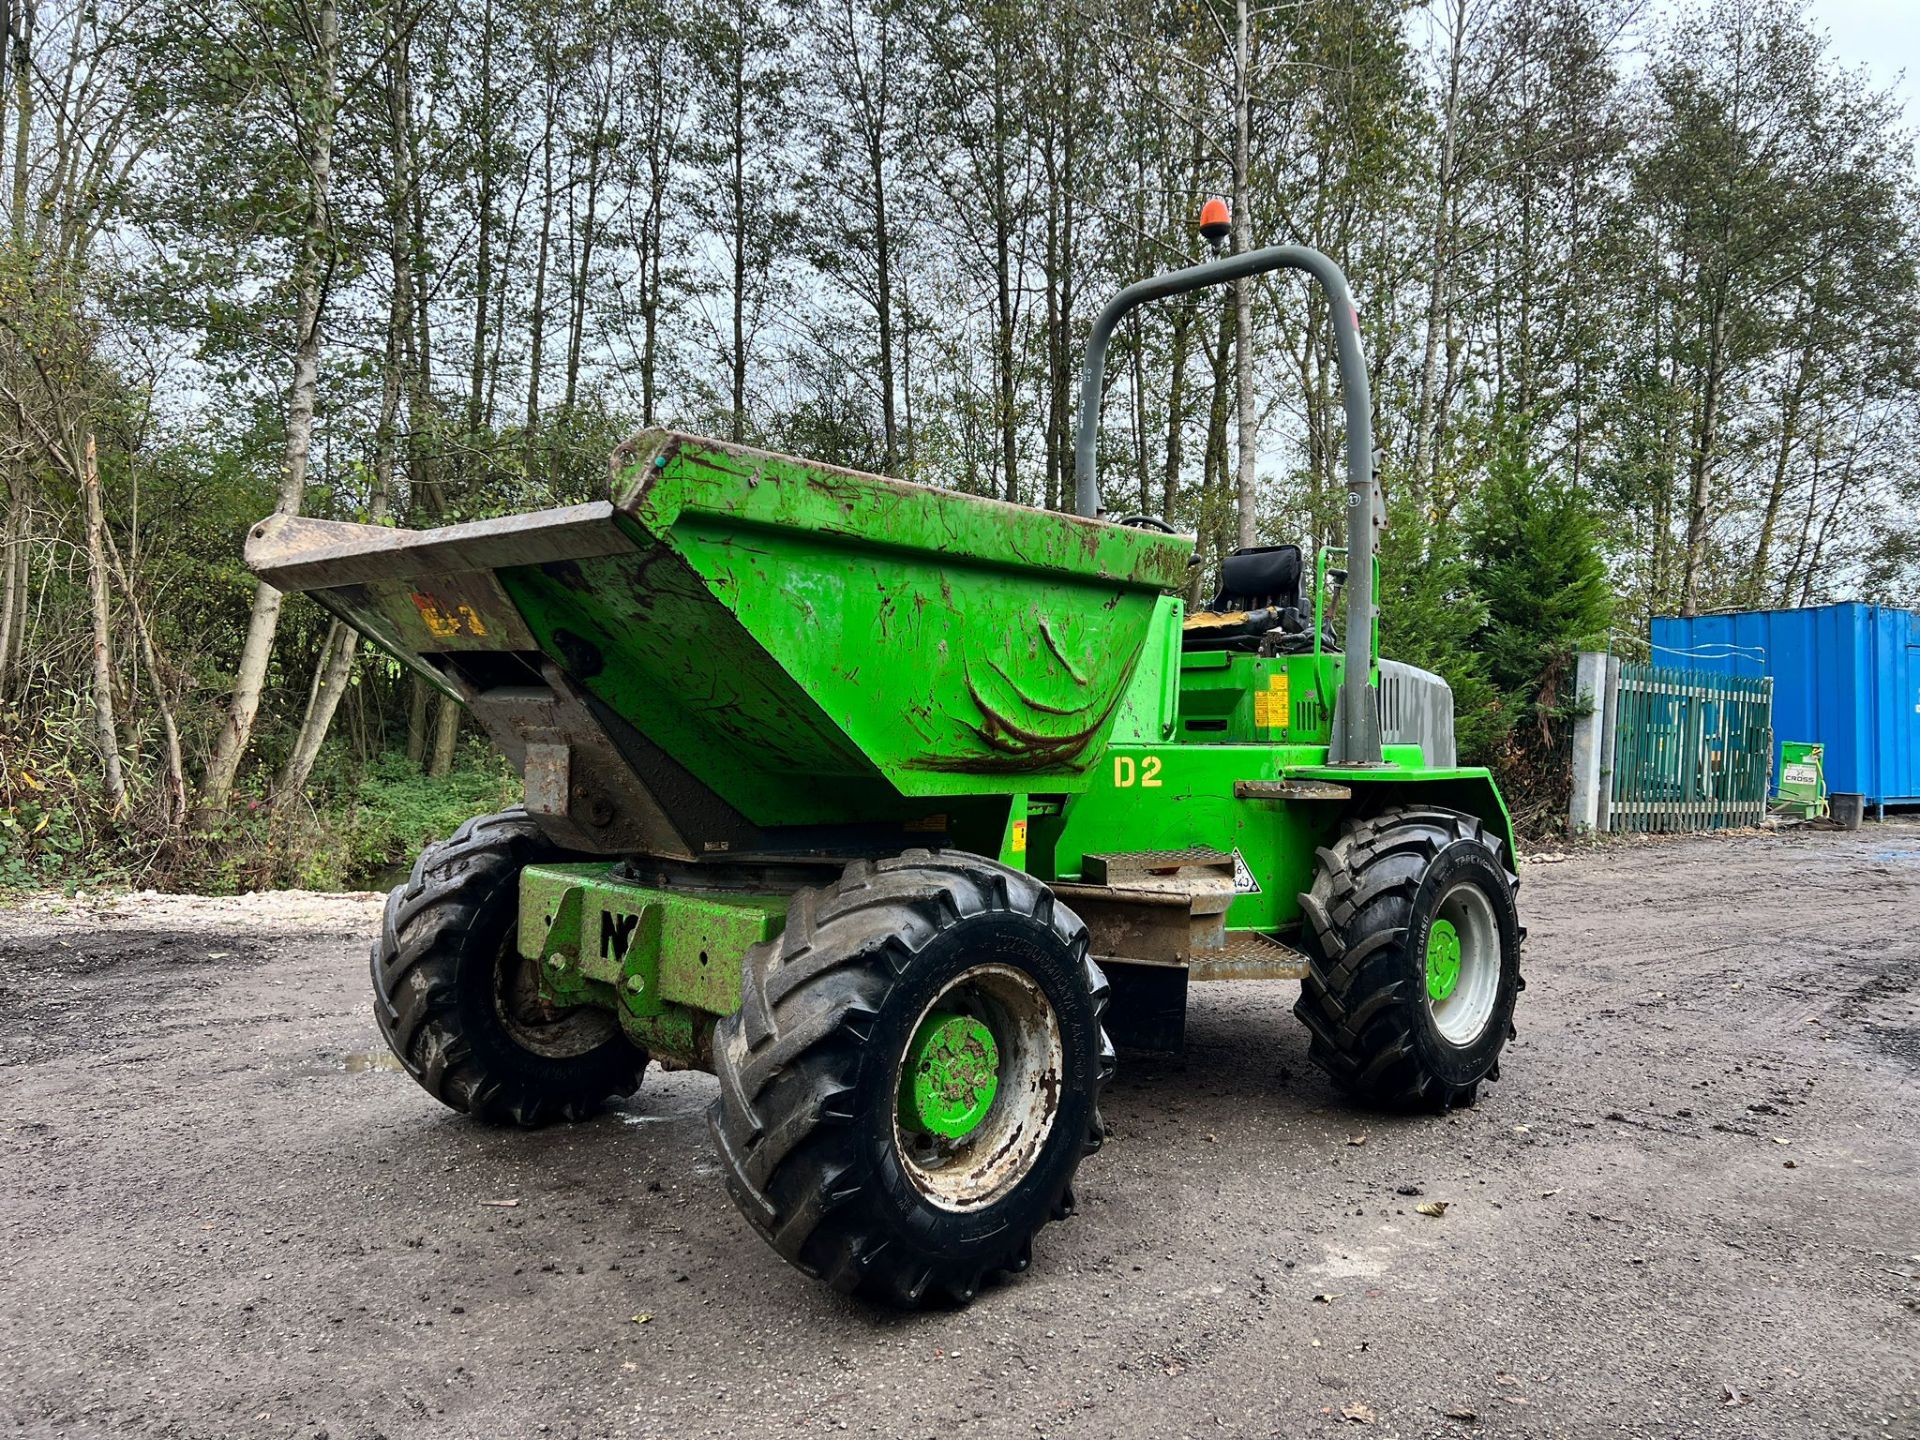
(384, 817)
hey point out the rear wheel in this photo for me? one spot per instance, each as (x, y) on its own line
(913, 1076)
(1415, 941)
(461, 1009)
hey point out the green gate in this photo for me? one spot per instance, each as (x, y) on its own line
(1691, 751)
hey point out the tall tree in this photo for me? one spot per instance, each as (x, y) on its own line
(307, 75)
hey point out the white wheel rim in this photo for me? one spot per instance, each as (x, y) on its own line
(973, 1172)
(1462, 1015)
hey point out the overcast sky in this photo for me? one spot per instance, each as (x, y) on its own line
(1883, 35)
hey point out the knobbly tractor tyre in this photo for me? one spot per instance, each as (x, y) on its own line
(1415, 940)
(913, 1077)
(461, 1009)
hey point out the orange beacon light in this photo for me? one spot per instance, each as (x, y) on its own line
(1215, 223)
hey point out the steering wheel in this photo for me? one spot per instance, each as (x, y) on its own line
(1146, 522)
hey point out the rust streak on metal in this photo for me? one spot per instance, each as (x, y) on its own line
(1046, 633)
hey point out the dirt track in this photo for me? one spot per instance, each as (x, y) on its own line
(1691, 1207)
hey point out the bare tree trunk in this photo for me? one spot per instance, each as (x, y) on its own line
(22, 116)
(6, 41)
(335, 665)
(419, 697)
(13, 555)
(660, 171)
(16, 576)
(1183, 317)
(1702, 490)
(1440, 267)
(737, 430)
(330, 675)
(1004, 315)
(483, 255)
(1248, 531)
(1213, 473)
(106, 734)
(175, 811)
(250, 674)
(1777, 491)
(582, 278)
(883, 259)
(536, 340)
(446, 731)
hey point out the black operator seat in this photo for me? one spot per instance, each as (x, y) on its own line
(1259, 601)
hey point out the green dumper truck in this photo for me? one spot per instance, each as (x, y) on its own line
(895, 808)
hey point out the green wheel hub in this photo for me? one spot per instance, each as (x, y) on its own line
(951, 1075)
(1443, 959)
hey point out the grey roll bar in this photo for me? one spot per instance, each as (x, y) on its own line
(1356, 731)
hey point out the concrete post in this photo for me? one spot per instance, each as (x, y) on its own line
(1609, 714)
(1590, 692)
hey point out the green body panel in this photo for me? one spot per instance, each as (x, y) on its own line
(1237, 699)
(1235, 717)
(781, 624)
(667, 961)
(1180, 796)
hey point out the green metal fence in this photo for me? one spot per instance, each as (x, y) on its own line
(1691, 750)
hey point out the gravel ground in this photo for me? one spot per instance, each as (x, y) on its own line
(1690, 1208)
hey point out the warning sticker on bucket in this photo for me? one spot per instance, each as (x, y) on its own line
(1243, 881)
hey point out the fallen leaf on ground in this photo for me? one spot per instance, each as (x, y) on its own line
(500, 1204)
(1328, 1299)
(1356, 1139)
(1778, 1141)
(1435, 1208)
(1358, 1413)
(1733, 1395)
(1515, 1399)
(1548, 1194)
(1505, 1379)
(1467, 1415)
(643, 1317)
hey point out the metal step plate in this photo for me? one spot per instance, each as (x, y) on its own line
(1134, 866)
(1249, 956)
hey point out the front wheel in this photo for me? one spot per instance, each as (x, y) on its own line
(913, 1076)
(1415, 941)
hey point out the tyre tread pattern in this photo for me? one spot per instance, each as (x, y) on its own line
(788, 1062)
(416, 967)
(1353, 999)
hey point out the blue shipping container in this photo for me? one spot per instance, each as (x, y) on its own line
(1846, 676)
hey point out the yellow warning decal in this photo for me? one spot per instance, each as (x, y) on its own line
(443, 621)
(1272, 706)
(1018, 843)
